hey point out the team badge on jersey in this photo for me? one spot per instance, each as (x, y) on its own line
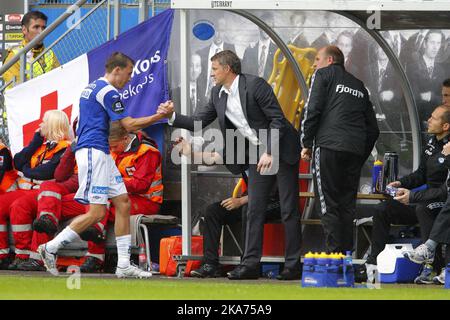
(118, 107)
(1, 160)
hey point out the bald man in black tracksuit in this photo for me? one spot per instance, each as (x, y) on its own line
(339, 123)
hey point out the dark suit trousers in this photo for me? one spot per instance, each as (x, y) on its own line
(259, 187)
(215, 217)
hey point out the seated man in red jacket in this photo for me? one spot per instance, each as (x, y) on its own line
(53, 204)
(8, 175)
(139, 162)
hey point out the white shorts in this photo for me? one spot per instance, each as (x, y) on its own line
(98, 177)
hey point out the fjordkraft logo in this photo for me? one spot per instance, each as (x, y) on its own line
(221, 4)
(340, 88)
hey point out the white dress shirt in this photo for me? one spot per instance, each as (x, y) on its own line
(235, 114)
(193, 94)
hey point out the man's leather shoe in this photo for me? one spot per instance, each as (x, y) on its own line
(207, 271)
(289, 274)
(242, 272)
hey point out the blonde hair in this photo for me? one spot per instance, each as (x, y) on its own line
(116, 131)
(57, 125)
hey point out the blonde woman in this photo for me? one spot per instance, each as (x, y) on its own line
(36, 163)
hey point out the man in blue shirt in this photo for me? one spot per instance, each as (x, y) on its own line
(98, 176)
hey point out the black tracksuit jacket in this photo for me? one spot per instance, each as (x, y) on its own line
(338, 114)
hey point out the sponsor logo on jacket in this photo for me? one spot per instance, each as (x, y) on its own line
(340, 88)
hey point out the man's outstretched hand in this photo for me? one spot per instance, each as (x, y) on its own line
(166, 109)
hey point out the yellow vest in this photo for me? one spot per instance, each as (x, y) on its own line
(45, 64)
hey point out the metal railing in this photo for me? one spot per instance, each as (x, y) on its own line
(21, 54)
(86, 33)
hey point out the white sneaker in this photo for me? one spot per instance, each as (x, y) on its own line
(440, 279)
(421, 254)
(132, 272)
(49, 259)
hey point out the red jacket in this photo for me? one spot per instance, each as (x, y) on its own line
(64, 172)
(145, 169)
(142, 177)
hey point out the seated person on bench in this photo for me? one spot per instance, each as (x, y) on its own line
(412, 207)
(8, 174)
(440, 234)
(229, 211)
(139, 162)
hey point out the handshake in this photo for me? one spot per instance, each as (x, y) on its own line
(166, 109)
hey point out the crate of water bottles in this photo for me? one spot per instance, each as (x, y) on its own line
(328, 270)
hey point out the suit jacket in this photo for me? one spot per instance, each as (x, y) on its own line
(412, 47)
(321, 41)
(250, 62)
(261, 110)
(200, 94)
(204, 54)
(421, 82)
(387, 82)
(300, 41)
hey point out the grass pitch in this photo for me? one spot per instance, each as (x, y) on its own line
(40, 286)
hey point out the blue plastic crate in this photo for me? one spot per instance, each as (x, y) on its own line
(405, 272)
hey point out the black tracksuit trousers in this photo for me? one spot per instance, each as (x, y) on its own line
(336, 179)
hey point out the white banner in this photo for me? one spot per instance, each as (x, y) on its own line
(59, 89)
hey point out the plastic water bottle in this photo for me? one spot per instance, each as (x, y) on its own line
(308, 279)
(323, 259)
(142, 257)
(333, 270)
(349, 274)
(377, 176)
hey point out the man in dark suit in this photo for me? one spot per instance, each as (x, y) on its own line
(298, 39)
(247, 104)
(344, 41)
(196, 88)
(426, 75)
(328, 36)
(218, 44)
(398, 43)
(384, 88)
(258, 60)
